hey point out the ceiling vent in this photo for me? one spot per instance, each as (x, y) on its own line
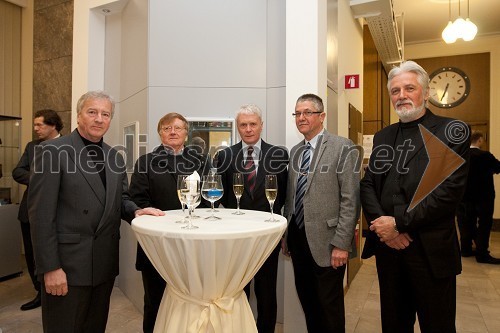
(379, 15)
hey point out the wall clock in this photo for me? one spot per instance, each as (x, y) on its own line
(448, 87)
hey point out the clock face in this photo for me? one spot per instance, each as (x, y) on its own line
(448, 87)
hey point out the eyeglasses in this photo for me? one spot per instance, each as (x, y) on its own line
(306, 114)
(169, 129)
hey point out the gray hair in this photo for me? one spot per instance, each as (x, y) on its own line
(413, 67)
(249, 109)
(315, 99)
(97, 94)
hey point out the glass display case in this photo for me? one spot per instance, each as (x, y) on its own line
(10, 152)
(10, 231)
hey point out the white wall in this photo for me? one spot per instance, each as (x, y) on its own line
(478, 45)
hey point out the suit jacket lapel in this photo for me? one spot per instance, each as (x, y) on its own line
(318, 153)
(83, 163)
(112, 182)
(261, 171)
(430, 124)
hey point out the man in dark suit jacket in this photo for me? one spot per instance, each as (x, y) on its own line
(475, 214)
(47, 125)
(267, 160)
(409, 194)
(77, 197)
(154, 183)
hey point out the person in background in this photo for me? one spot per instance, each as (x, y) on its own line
(154, 183)
(322, 208)
(77, 196)
(412, 233)
(47, 125)
(475, 213)
(265, 159)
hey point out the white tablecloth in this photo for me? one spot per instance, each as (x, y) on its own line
(206, 269)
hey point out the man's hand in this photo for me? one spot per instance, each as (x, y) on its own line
(56, 283)
(384, 227)
(149, 211)
(402, 241)
(339, 257)
(284, 247)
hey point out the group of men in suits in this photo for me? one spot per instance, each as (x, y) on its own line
(78, 193)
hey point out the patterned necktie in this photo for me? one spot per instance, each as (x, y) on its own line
(301, 186)
(250, 169)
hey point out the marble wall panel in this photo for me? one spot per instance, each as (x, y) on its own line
(53, 32)
(52, 84)
(42, 4)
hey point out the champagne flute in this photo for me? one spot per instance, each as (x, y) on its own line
(180, 183)
(190, 191)
(238, 191)
(212, 191)
(271, 194)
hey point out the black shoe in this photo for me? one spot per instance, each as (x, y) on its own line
(468, 253)
(36, 302)
(487, 259)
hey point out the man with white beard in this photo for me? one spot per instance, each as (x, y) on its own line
(411, 189)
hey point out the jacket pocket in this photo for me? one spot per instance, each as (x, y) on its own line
(68, 238)
(332, 222)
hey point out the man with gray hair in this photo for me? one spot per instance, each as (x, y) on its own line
(76, 199)
(254, 158)
(411, 189)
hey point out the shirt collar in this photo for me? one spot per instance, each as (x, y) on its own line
(256, 146)
(314, 141)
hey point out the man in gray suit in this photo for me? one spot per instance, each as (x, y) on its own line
(77, 197)
(322, 207)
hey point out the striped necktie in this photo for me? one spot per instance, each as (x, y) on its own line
(301, 186)
(250, 169)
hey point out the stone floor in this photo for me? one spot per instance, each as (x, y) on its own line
(478, 302)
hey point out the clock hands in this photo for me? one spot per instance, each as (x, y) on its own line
(445, 90)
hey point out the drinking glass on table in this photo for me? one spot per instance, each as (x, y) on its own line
(196, 204)
(180, 184)
(238, 191)
(271, 194)
(212, 191)
(190, 191)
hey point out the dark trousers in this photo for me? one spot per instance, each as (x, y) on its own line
(474, 222)
(82, 310)
(320, 289)
(265, 292)
(28, 253)
(407, 289)
(154, 286)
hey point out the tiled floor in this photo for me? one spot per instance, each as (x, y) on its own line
(478, 302)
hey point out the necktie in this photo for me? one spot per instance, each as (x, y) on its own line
(301, 186)
(250, 169)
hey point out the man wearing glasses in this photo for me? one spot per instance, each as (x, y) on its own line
(322, 207)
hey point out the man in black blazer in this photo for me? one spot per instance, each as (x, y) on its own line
(154, 183)
(267, 160)
(47, 125)
(77, 196)
(475, 214)
(415, 179)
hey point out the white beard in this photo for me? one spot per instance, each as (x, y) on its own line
(409, 114)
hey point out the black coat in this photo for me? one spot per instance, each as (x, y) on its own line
(432, 220)
(154, 183)
(272, 160)
(480, 185)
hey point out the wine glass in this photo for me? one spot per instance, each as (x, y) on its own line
(238, 191)
(196, 204)
(180, 184)
(212, 191)
(271, 194)
(190, 191)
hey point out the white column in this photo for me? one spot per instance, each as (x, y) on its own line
(306, 72)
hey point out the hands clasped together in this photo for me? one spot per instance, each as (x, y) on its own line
(385, 228)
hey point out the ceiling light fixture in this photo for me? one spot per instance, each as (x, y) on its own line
(461, 28)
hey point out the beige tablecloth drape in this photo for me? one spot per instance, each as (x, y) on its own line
(206, 269)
